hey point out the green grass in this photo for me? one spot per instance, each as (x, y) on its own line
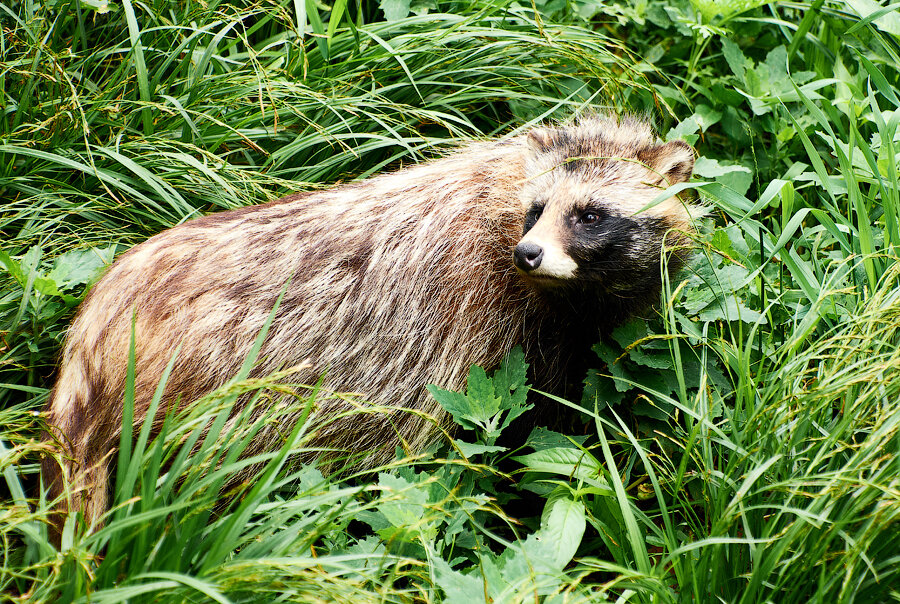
(743, 447)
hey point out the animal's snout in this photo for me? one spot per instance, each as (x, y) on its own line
(527, 256)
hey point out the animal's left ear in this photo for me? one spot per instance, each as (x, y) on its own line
(673, 162)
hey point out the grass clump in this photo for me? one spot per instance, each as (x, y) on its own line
(743, 446)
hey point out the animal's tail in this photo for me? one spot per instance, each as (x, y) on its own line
(77, 477)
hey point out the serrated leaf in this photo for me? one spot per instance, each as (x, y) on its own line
(776, 61)
(630, 332)
(736, 234)
(722, 243)
(511, 415)
(696, 299)
(622, 378)
(497, 576)
(78, 267)
(604, 351)
(357, 556)
(530, 565)
(509, 380)
(730, 278)
(513, 370)
(454, 403)
(614, 365)
(458, 587)
(599, 389)
(470, 449)
(483, 404)
(734, 57)
(487, 398)
(407, 504)
(658, 360)
(730, 309)
(373, 518)
(664, 382)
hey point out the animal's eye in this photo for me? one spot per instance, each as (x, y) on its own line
(589, 217)
(532, 216)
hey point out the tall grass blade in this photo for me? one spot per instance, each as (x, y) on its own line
(140, 67)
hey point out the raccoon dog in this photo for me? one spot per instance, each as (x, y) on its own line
(543, 241)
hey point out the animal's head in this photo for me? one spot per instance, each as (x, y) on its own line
(588, 195)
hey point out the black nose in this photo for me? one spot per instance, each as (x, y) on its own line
(527, 256)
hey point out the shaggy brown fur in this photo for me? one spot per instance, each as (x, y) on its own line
(396, 282)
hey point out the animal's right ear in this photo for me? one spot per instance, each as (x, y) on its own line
(540, 139)
(673, 161)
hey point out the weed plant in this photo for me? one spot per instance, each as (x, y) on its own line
(742, 446)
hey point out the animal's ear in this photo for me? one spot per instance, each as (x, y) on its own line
(540, 139)
(673, 162)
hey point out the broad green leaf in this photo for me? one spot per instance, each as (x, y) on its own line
(405, 507)
(394, 10)
(13, 267)
(730, 309)
(457, 586)
(565, 461)
(735, 58)
(562, 525)
(542, 438)
(712, 168)
(78, 267)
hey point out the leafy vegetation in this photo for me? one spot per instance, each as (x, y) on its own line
(742, 446)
